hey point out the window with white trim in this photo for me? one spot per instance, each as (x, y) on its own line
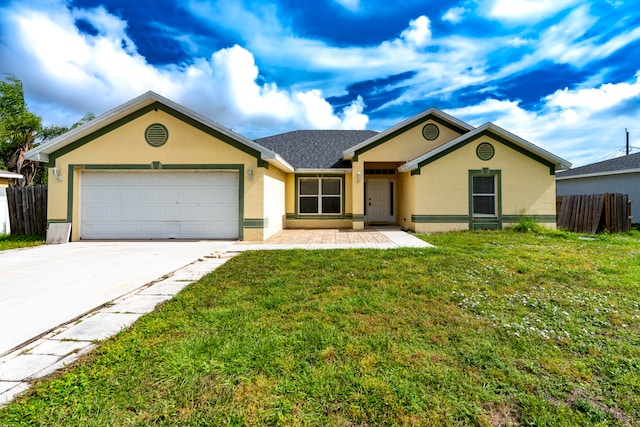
(320, 196)
(484, 195)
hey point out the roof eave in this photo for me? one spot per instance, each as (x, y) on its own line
(277, 161)
(324, 170)
(10, 175)
(596, 174)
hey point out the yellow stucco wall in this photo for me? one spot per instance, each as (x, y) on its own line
(406, 200)
(527, 187)
(274, 203)
(186, 145)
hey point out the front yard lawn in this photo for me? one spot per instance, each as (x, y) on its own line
(487, 329)
(14, 242)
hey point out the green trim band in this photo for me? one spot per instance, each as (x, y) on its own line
(547, 219)
(358, 218)
(141, 167)
(256, 222)
(430, 219)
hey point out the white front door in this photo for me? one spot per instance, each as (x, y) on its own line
(378, 200)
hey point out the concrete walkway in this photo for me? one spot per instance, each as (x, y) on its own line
(50, 330)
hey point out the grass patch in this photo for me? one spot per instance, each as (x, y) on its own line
(14, 242)
(489, 328)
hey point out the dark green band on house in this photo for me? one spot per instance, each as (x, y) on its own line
(256, 222)
(546, 219)
(358, 218)
(434, 219)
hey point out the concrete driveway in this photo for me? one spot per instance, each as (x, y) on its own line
(84, 275)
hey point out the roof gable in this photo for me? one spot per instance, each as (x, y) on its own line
(431, 114)
(488, 129)
(619, 165)
(137, 107)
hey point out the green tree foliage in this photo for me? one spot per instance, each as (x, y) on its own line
(21, 130)
(18, 130)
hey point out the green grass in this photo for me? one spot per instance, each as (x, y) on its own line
(489, 328)
(14, 242)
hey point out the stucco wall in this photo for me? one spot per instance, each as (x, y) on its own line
(274, 195)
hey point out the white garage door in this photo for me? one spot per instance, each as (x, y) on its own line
(159, 205)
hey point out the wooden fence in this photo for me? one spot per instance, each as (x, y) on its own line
(27, 209)
(594, 213)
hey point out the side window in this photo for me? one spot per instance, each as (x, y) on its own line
(484, 195)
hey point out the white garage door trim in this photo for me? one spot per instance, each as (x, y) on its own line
(159, 205)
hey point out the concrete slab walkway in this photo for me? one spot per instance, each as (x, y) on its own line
(55, 297)
(371, 238)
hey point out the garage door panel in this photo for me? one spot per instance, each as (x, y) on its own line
(121, 205)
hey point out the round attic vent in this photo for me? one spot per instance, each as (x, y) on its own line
(156, 135)
(485, 151)
(430, 132)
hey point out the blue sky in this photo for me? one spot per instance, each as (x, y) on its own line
(563, 74)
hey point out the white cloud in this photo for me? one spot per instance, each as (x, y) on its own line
(521, 11)
(454, 15)
(579, 125)
(352, 5)
(419, 32)
(97, 72)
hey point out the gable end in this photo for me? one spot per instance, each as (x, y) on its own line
(502, 140)
(403, 129)
(141, 112)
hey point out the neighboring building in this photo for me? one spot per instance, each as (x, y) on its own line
(619, 175)
(154, 169)
(5, 177)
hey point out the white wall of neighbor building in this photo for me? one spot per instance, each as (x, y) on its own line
(628, 183)
(5, 226)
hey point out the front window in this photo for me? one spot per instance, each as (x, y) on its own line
(484, 195)
(320, 196)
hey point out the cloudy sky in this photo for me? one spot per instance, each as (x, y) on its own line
(563, 74)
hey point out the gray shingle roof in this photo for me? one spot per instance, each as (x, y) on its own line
(632, 161)
(315, 149)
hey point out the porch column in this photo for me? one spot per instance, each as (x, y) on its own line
(357, 195)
